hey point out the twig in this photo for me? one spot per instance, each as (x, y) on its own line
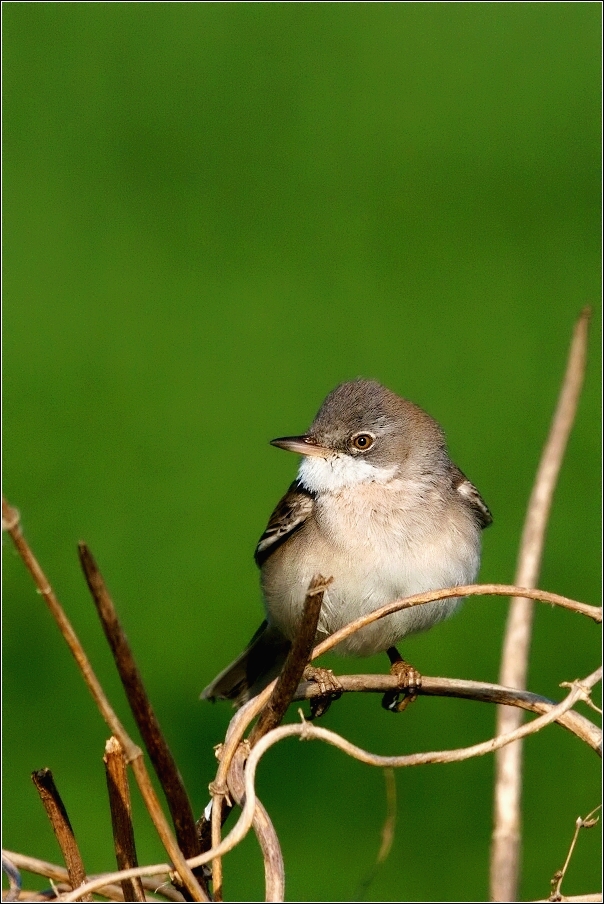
(10, 522)
(61, 826)
(57, 873)
(505, 852)
(467, 690)
(387, 834)
(465, 590)
(144, 715)
(308, 731)
(296, 662)
(274, 869)
(121, 817)
(271, 716)
(573, 899)
(244, 716)
(588, 823)
(14, 879)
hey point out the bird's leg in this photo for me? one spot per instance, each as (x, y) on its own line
(409, 681)
(330, 688)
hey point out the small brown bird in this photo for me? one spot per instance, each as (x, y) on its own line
(379, 506)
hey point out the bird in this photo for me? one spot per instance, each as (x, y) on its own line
(379, 506)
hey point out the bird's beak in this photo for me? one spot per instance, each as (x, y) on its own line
(303, 445)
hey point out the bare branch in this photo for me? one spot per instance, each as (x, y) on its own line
(296, 662)
(588, 823)
(308, 731)
(387, 834)
(10, 521)
(274, 869)
(468, 690)
(61, 826)
(121, 817)
(270, 716)
(465, 590)
(505, 852)
(57, 873)
(146, 720)
(14, 879)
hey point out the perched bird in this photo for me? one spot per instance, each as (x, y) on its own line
(379, 506)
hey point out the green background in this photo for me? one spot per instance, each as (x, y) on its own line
(214, 213)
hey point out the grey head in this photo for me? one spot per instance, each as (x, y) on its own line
(363, 419)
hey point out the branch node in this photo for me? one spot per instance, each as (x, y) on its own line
(219, 789)
(10, 516)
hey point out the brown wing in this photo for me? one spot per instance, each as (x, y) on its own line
(471, 497)
(289, 516)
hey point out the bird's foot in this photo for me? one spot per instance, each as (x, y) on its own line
(409, 683)
(329, 686)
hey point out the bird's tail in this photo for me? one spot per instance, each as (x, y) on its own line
(260, 662)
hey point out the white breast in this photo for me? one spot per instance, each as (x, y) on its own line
(380, 541)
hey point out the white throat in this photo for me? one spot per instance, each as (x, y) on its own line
(328, 475)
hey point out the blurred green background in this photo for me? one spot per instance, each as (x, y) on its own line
(214, 213)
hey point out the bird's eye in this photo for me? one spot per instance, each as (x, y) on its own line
(362, 441)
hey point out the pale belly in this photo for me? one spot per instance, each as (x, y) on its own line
(372, 568)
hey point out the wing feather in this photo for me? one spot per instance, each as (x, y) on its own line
(290, 514)
(472, 498)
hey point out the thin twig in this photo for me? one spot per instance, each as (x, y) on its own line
(274, 869)
(271, 716)
(61, 826)
(59, 874)
(464, 590)
(308, 731)
(505, 850)
(14, 879)
(587, 823)
(467, 690)
(121, 817)
(144, 715)
(10, 523)
(252, 708)
(296, 662)
(387, 834)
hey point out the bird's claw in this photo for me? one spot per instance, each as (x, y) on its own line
(329, 686)
(409, 683)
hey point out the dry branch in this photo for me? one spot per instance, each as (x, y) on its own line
(14, 879)
(505, 852)
(276, 706)
(59, 874)
(467, 690)
(296, 662)
(144, 715)
(10, 522)
(121, 817)
(61, 826)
